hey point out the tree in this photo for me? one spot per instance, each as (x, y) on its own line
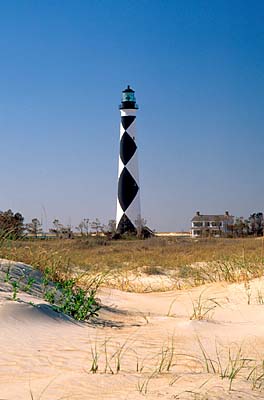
(66, 232)
(241, 227)
(83, 227)
(11, 225)
(111, 227)
(34, 227)
(57, 227)
(256, 223)
(97, 226)
(80, 228)
(61, 231)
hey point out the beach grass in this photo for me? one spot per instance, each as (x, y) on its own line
(195, 261)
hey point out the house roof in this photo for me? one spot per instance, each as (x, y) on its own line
(212, 217)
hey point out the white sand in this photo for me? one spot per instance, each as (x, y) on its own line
(44, 355)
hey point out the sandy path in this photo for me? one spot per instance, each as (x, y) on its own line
(46, 356)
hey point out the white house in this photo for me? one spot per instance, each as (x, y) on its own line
(211, 225)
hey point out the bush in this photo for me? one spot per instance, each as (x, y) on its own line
(73, 300)
(11, 225)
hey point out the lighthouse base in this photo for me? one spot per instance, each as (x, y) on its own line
(126, 226)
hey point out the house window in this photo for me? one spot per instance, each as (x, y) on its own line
(197, 224)
(215, 223)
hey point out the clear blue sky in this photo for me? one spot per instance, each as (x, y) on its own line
(198, 71)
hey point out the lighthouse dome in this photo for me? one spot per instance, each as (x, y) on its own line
(128, 99)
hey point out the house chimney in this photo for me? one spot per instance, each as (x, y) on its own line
(227, 213)
(198, 213)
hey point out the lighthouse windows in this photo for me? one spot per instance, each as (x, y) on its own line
(128, 96)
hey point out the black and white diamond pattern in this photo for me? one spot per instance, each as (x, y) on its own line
(127, 148)
(128, 204)
(127, 182)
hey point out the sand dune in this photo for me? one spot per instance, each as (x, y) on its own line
(145, 344)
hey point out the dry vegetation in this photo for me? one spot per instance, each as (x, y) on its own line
(184, 261)
(193, 344)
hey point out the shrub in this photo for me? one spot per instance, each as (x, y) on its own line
(74, 301)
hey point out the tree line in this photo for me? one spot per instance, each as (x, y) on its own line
(85, 228)
(251, 226)
(12, 226)
(241, 227)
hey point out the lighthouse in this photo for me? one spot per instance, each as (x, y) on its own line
(128, 201)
